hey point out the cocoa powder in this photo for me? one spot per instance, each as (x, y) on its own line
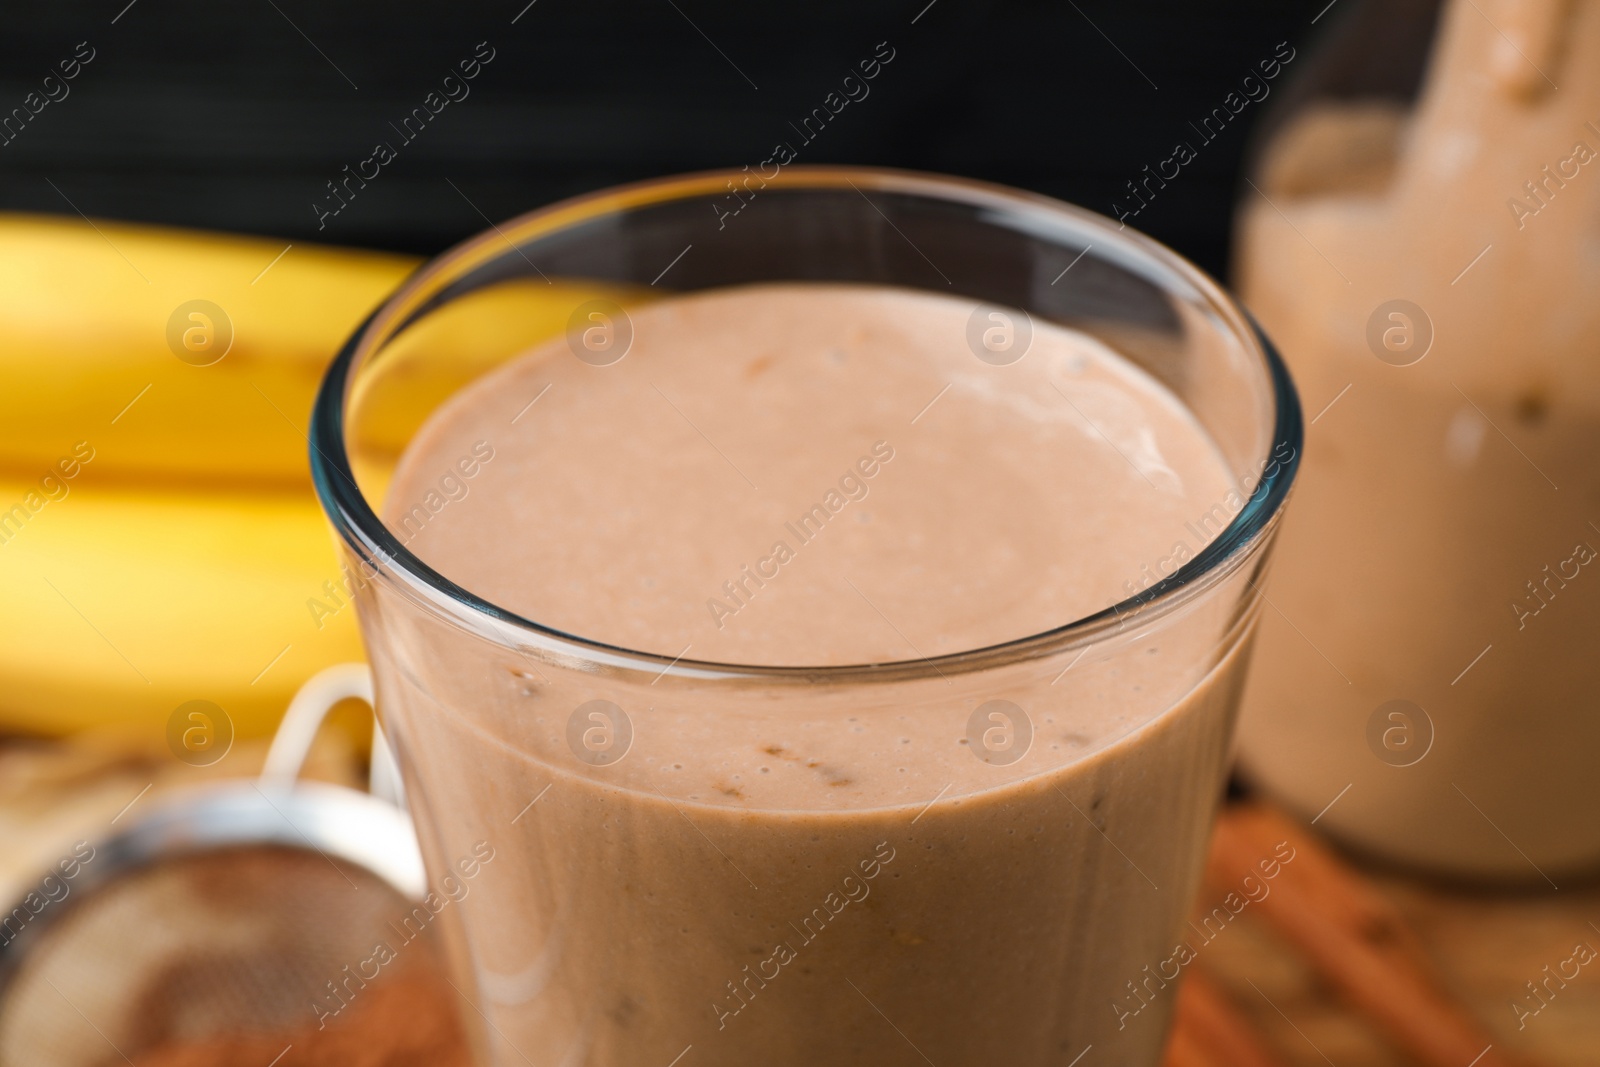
(408, 1020)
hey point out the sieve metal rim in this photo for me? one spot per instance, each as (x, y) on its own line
(334, 821)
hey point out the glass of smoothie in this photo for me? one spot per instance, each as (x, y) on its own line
(1427, 687)
(811, 632)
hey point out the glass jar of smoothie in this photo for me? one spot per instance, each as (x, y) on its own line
(1426, 684)
(821, 646)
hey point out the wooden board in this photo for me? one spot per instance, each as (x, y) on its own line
(1485, 947)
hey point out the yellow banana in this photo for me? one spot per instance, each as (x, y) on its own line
(108, 333)
(158, 540)
(125, 603)
(84, 313)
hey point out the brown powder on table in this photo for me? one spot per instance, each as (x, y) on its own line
(406, 1021)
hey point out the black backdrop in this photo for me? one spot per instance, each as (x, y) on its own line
(234, 116)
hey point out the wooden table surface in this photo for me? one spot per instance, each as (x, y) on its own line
(1485, 946)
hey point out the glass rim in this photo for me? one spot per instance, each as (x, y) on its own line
(359, 527)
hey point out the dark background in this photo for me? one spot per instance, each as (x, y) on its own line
(233, 116)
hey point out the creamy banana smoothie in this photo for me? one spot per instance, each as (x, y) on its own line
(1432, 663)
(927, 864)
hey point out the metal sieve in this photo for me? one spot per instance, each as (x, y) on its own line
(231, 923)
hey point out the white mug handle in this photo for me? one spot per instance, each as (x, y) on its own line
(292, 743)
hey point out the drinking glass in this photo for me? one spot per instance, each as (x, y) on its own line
(1029, 909)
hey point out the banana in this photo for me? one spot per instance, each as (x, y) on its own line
(126, 602)
(159, 542)
(84, 314)
(193, 358)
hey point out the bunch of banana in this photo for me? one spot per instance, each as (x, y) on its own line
(159, 541)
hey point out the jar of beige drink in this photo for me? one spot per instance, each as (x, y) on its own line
(835, 629)
(1427, 682)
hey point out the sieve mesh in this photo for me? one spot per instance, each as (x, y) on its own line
(219, 957)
